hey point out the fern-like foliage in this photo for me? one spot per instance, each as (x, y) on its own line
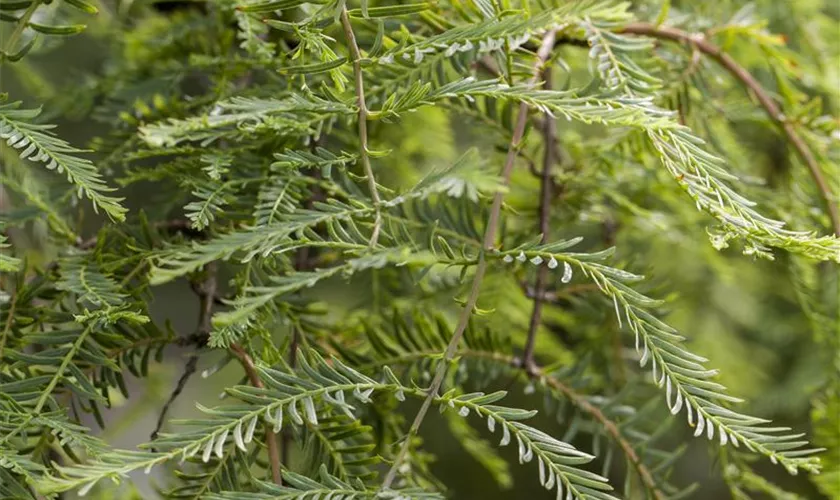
(327, 486)
(687, 382)
(407, 342)
(365, 222)
(37, 144)
(699, 173)
(290, 400)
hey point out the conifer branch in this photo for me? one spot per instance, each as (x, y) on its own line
(275, 183)
(363, 116)
(549, 127)
(37, 143)
(699, 42)
(489, 243)
(686, 380)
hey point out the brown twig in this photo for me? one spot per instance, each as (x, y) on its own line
(206, 289)
(489, 244)
(556, 295)
(363, 117)
(699, 42)
(549, 130)
(270, 438)
(206, 295)
(608, 425)
(189, 370)
(206, 292)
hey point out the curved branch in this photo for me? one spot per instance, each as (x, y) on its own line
(20, 27)
(608, 425)
(577, 399)
(489, 243)
(270, 438)
(549, 158)
(363, 117)
(773, 110)
(189, 370)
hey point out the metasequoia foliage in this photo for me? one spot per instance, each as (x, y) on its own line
(385, 209)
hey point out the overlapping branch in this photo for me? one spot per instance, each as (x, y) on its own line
(489, 243)
(773, 110)
(538, 375)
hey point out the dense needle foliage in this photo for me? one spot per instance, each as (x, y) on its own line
(392, 219)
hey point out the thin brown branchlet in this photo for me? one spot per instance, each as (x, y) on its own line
(773, 110)
(489, 243)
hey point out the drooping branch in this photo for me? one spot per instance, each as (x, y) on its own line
(363, 116)
(549, 129)
(489, 243)
(700, 43)
(611, 428)
(578, 400)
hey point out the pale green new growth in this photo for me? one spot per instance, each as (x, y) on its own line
(688, 384)
(36, 143)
